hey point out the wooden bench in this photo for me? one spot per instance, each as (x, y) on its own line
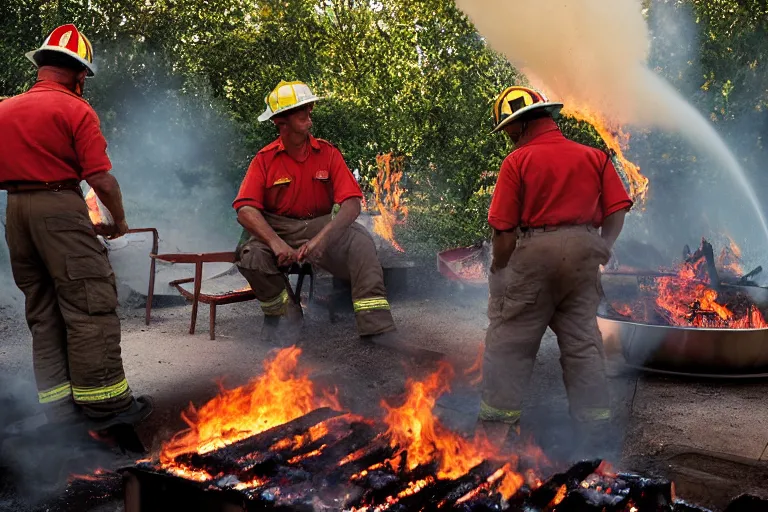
(226, 288)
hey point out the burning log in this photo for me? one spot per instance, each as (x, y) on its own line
(705, 251)
(541, 497)
(745, 279)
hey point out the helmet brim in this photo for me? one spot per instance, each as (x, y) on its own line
(268, 114)
(552, 107)
(89, 66)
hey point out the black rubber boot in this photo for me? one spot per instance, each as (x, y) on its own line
(393, 340)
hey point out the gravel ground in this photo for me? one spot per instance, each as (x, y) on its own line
(175, 368)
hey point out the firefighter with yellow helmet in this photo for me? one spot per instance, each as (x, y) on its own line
(50, 140)
(557, 209)
(285, 203)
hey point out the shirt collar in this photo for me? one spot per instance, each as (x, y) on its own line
(537, 128)
(312, 142)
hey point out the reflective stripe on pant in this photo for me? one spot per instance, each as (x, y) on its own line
(351, 257)
(61, 392)
(276, 306)
(71, 298)
(551, 280)
(488, 413)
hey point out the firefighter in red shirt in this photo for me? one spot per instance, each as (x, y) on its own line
(285, 204)
(50, 140)
(557, 209)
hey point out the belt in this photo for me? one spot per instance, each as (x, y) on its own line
(15, 187)
(527, 230)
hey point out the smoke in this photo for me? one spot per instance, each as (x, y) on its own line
(593, 55)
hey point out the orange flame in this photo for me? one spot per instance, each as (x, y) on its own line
(388, 197)
(617, 140)
(278, 396)
(418, 435)
(94, 212)
(686, 301)
(729, 260)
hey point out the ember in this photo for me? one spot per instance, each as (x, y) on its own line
(388, 197)
(691, 295)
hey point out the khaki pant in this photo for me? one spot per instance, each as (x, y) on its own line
(351, 257)
(551, 280)
(65, 275)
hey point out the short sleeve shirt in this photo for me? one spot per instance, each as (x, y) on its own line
(549, 181)
(277, 183)
(50, 134)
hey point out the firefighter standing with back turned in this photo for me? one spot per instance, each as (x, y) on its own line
(551, 197)
(50, 140)
(285, 204)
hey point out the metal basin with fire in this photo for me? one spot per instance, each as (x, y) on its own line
(691, 350)
(681, 349)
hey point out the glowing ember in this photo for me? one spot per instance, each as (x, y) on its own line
(279, 395)
(729, 260)
(418, 435)
(388, 197)
(617, 140)
(560, 496)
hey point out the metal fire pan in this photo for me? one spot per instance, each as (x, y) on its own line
(688, 350)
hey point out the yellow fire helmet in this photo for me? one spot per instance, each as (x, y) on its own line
(67, 39)
(287, 96)
(516, 101)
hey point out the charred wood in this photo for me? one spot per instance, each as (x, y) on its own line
(748, 503)
(587, 500)
(647, 493)
(543, 496)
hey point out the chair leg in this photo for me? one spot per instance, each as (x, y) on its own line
(299, 286)
(212, 317)
(150, 291)
(311, 286)
(196, 296)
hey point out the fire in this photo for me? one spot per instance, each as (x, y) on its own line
(97, 212)
(418, 435)
(388, 197)
(688, 300)
(730, 258)
(617, 140)
(279, 395)
(476, 368)
(560, 496)
(511, 482)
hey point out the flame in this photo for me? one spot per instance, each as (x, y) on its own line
(94, 212)
(729, 260)
(511, 483)
(388, 197)
(418, 435)
(476, 368)
(560, 496)
(685, 300)
(617, 140)
(278, 396)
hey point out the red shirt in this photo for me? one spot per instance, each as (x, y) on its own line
(50, 134)
(549, 180)
(278, 184)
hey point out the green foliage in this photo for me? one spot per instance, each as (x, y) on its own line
(405, 76)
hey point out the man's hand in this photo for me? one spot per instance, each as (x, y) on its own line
(111, 231)
(285, 254)
(496, 266)
(314, 249)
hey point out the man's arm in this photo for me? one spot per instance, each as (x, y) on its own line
(503, 246)
(255, 223)
(108, 191)
(612, 226)
(349, 211)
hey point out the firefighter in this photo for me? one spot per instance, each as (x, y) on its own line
(557, 209)
(285, 204)
(50, 140)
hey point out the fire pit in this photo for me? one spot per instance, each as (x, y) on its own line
(700, 318)
(272, 445)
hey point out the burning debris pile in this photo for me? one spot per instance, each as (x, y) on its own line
(702, 291)
(273, 445)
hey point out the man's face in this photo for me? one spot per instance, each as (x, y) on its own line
(299, 120)
(515, 131)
